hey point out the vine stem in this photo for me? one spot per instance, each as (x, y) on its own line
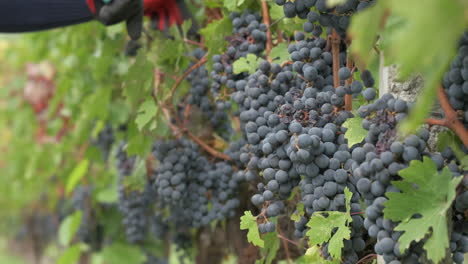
(451, 118)
(207, 148)
(178, 82)
(335, 45)
(179, 130)
(267, 22)
(285, 245)
(198, 44)
(367, 257)
(290, 241)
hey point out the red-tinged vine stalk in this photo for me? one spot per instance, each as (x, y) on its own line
(285, 245)
(368, 257)
(192, 42)
(335, 46)
(290, 241)
(267, 22)
(451, 117)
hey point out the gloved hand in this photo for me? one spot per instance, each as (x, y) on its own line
(111, 12)
(163, 13)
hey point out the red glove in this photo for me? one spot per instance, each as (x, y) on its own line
(164, 13)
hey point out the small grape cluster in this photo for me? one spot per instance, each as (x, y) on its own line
(249, 38)
(337, 17)
(199, 96)
(455, 80)
(132, 203)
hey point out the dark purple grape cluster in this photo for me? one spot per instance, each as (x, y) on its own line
(132, 203)
(455, 81)
(196, 191)
(378, 163)
(199, 96)
(319, 14)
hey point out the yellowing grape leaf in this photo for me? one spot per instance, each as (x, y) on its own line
(428, 193)
(323, 223)
(249, 223)
(355, 133)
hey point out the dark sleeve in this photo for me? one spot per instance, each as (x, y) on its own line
(34, 15)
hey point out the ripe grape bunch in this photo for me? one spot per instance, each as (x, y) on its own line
(133, 204)
(323, 15)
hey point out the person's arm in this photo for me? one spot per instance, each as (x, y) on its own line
(34, 15)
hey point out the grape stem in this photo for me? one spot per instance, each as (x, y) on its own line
(178, 82)
(178, 129)
(289, 240)
(370, 256)
(267, 22)
(285, 244)
(451, 119)
(335, 45)
(198, 44)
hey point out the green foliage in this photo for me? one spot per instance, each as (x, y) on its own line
(355, 133)
(215, 35)
(296, 216)
(118, 253)
(272, 245)
(77, 174)
(449, 139)
(71, 255)
(249, 223)
(280, 54)
(426, 192)
(146, 114)
(69, 227)
(322, 224)
(415, 27)
(312, 255)
(246, 64)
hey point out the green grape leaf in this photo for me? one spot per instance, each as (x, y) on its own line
(449, 139)
(108, 195)
(363, 40)
(426, 192)
(137, 145)
(69, 227)
(77, 174)
(296, 216)
(249, 223)
(280, 54)
(355, 133)
(139, 79)
(312, 255)
(230, 5)
(71, 255)
(322, 224)
(272, 244)
(117, 253)
(215, 34)
(248, 64)
(146, 113)
(276, 11)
